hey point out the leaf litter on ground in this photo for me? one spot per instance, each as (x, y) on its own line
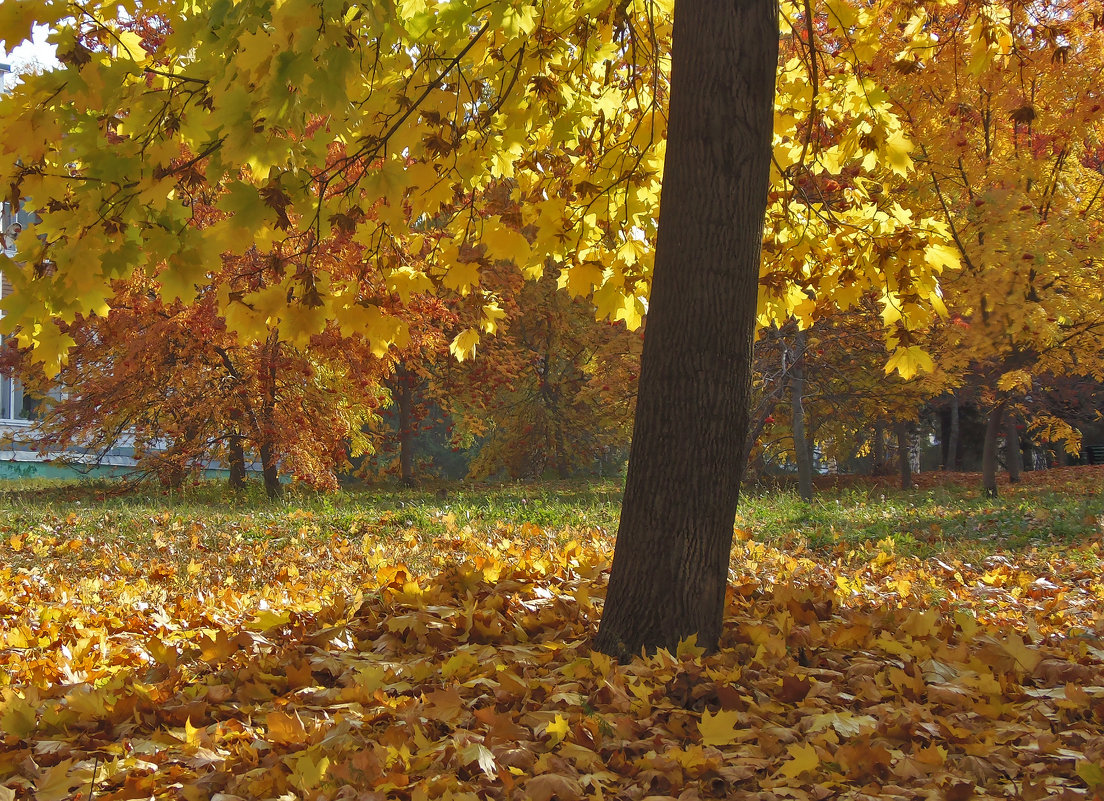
(301, 667)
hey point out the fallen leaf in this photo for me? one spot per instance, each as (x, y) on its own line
(549, 786)
(721, 728)
(803, 757)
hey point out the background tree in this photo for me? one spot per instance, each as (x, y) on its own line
(567, 386)
(185, 394)
(1009, 145)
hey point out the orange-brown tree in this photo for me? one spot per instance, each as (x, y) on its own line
(171, 383)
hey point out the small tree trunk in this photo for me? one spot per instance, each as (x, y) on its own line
(269, 468)
(404, 389)
(237, 461)
(944, 436)
(904, 463)
(879, 447)
(270, 472)
(755, 430)
(1029, 454)
(954, 460)
(797, 405)
(989, 452)
(1013, 456)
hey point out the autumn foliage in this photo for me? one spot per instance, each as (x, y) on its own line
(379, 662)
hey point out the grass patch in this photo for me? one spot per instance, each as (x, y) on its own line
(1050, 511)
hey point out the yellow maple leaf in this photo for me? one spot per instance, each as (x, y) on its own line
(51, 348)
(284, 727)
(389, 181)
(689, 648)
(507, 244)
(908, 361)
(131, 44)
(268, 619)
(463, 345)
(841, 15)
(462, 276)
(720, 729)
(803, 757)
(942, 256)
(406, 281)
(492, 313)
(581, 278)
(57, 783)
(897, 148)
(1026, 657)
(1091, 773)
(557, 729)
(192, 734)
(307, 769)
(18, 716)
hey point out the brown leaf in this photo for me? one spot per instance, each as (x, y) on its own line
(957, 790)
(793, 689)
(549, 786)
(285, 728)
(443, 705)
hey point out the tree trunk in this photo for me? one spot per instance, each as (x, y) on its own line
(237, 461)
(1029, 453)
(756, 426)
(670, 565)
(989, 452)
(1013, 456)
(953, 459)
(878, 450)
(1062, 455)
(269, 468)
(404, 389)
(944, 435)
(270, 472)
(904, 464)
(797, 405)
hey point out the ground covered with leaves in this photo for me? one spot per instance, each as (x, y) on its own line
(404, 654)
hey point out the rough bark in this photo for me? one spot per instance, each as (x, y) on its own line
(670, 565)
(904, 465)
(802, 451)
(989, 452)
(236, 457)
(1013, 456)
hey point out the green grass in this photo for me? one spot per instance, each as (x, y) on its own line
(951, 518)
(127, 511)
(1050, 510)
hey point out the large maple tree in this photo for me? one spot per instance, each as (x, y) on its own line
(446, 139)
